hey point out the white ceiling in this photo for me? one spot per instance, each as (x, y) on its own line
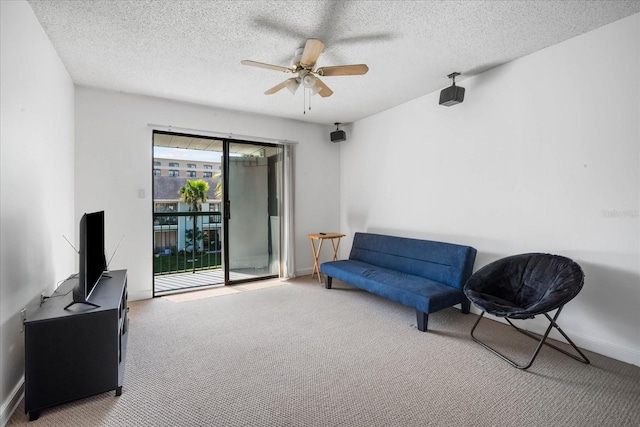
(191, 50)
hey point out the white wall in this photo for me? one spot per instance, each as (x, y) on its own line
(37, 179)
(114, 161)
(541, 156)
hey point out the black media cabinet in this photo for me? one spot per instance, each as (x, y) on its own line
(78, 352)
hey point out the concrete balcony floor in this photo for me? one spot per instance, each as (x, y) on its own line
(179, 282)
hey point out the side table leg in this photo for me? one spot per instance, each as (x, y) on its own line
(316, 256)
(317, 261)
(335, 248)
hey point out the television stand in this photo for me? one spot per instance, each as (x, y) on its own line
(81, 302)
(73, 354)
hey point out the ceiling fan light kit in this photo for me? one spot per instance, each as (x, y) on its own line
(308, 79)
(303, 64)
(453, 94)
(292, 85)
(315, 89)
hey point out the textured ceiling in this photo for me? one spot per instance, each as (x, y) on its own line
(191, 50)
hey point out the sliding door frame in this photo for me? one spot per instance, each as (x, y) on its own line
(225, 205)
(227, 209)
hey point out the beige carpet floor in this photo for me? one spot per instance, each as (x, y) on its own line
(296, 354)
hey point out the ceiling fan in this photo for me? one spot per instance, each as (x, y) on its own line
(303, 65)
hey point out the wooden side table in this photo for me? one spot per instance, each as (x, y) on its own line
(321, 237)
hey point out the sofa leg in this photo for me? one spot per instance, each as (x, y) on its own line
(466, 306)
(423, 318)
(327, 281)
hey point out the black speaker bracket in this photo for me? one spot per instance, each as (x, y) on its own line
(453, 76)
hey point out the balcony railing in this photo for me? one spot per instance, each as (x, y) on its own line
(179, 248)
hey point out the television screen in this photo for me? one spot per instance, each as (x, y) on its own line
(92, 258)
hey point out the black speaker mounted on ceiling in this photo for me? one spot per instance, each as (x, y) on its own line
(338, 135)
(453, 94)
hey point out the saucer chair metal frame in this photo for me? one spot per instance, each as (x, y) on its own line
(503, 308)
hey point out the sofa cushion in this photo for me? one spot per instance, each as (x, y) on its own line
(413, 291)
(446, 263)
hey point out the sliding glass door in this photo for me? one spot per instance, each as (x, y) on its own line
(253, 183)
(230, 232)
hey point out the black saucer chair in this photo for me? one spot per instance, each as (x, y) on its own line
(522, 287)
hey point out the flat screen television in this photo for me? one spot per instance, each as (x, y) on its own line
(92, 257)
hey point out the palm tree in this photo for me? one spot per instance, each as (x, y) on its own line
(194, 193)
(218, 176)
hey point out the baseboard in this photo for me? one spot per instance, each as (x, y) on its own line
(304, 272)
(9, 407)
(614, 351)
(139, 295)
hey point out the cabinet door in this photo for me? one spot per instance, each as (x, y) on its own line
(69, 358)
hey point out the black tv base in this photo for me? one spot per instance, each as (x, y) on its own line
(81, 302)
(75, 353)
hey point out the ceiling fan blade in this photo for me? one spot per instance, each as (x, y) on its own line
(291, 84)
(312, 50)
(343, 70)
(324, 89)
(267, 66)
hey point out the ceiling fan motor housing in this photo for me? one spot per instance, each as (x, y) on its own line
(297, 56)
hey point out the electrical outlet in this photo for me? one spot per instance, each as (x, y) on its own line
(23, 315)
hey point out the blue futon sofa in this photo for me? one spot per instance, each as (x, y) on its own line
(421, 274)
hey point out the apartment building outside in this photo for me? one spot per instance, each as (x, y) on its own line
(191, 169)
(170, 232)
